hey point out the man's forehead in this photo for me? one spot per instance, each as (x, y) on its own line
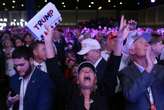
(19, 60)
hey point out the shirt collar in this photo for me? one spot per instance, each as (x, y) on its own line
(97, 62)
(36, 63)
(141, 68)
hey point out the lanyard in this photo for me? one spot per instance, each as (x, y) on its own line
(151, 99)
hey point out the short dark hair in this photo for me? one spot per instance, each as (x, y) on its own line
(22, 52)
(35, 44)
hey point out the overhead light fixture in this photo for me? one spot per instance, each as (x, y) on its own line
(13, 7)
(114, 6)
(153, 1)
(92, 3)
(121, 3)
(13, 1)
(62, 3)
(64, 6)
(89, 6)
(109, 1)
(100, 7)
(22, 5)
(3, 4)
(45, 1)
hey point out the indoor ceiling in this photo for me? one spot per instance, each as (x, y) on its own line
(6, 5)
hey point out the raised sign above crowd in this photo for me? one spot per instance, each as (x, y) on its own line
(48, 15)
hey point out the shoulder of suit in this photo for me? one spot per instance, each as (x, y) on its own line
(15, 77)
(126, 70)
(40, 74)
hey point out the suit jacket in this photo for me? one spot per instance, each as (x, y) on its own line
(39, 92)
(106, 71)
(135, 84)
(60, 46)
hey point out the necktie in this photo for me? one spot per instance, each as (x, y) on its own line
(39, 66)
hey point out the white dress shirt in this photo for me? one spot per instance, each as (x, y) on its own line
(97, 62)
(43, 66)
(23, 88)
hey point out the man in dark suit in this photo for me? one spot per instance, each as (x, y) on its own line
(31, 88)
(142, 81)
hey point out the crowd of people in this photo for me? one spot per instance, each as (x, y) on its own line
(107, 68)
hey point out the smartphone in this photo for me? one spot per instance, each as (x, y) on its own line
(13, 93)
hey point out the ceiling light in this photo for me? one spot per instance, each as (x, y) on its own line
(121, 3)
(64, 6)
(114, 6)
(45, 1)
(13, 1)
(89, 6)
(13, 6)
(92, 3)
(152, 1)
(22, 5)
(3, 4)
(109, 1)
(100, 7)
(62, 3)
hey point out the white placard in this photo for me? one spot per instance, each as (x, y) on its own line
(48, 15)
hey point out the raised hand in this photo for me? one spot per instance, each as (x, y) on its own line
(123, 29)
(121, 36)
(48, 34)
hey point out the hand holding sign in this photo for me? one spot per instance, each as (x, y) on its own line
(48, 34)
(49, 15)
